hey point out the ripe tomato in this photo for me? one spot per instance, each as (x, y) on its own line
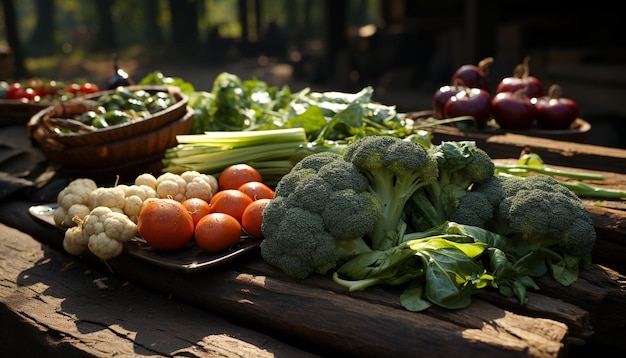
(252, 217)
(165, 224)
(197, 208)
(237, 174)
(256, 190)
(30, 94)
(217, 232)
(15, 91)
(73, 88)
(230, 201)
(89, 87)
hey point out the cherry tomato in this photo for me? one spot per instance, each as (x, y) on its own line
(15, 91)
(30, 94)
(89, 87)
(73, 88)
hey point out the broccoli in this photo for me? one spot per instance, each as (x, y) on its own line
(538, 216)
(319, 215)
(395, 169)
(461, 165)
(331, 207)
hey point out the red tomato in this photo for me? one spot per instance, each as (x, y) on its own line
(73, 88)
(89, 87)
(15, 91)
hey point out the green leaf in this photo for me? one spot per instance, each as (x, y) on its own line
(412, 299)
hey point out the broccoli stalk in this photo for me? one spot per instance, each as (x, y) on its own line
(395, 169)
(460, 165)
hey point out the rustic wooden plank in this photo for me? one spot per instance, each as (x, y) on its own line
(53, 305)
(227, 292)
(305, 313)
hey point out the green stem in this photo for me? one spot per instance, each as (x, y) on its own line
(520, 169)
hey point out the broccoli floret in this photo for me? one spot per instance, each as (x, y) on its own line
(460, 165)
(319, 215)
(541, 211)
(537, 216)
(395, 169)
(477, 207)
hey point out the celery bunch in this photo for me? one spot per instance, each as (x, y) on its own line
(271, 152)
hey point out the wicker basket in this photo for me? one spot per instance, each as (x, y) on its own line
(108, 157)
(14, 112)
(43, 125)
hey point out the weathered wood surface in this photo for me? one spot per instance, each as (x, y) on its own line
(55, 306)
(319, 313)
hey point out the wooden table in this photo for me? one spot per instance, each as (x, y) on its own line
(55, 304)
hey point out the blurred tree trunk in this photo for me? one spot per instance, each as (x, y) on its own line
(41, 41)
(335, 34)
(105, 37)
(10, 23)
(184, 22)
(153, 31)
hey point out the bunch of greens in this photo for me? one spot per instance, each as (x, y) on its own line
(330, 119)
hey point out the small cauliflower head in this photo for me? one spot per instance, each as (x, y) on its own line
(72, 201)
(135, 196)
(111, 197)
(106, 231)
(171, 186)
(74, 242)
(189, 184)
(199, 185)
(146, 179)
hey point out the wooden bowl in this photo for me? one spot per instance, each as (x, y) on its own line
(43, 125)
(107, 157)
(577, 132)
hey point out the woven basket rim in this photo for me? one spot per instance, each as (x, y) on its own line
(120, 131)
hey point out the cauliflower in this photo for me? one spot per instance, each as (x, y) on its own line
(72, 201)
(189, 184)
(170, 185)
(146, 179)
(199, 185)
(74, 242)
(106, 231)
(111, 197)
(135, 196)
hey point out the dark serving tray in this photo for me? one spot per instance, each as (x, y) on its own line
(189, 259)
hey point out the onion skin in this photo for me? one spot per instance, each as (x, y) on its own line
(513, 110)
(554, 111)
(475, 102)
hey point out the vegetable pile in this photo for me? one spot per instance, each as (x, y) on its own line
(102, 219)
(37, 90)
(434, 218)
(124, 106)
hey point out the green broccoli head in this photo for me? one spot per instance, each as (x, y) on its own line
(395, 169)
(536, 209)
(478, 206)
(541, 211)
(320, 213)
(296, 241)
